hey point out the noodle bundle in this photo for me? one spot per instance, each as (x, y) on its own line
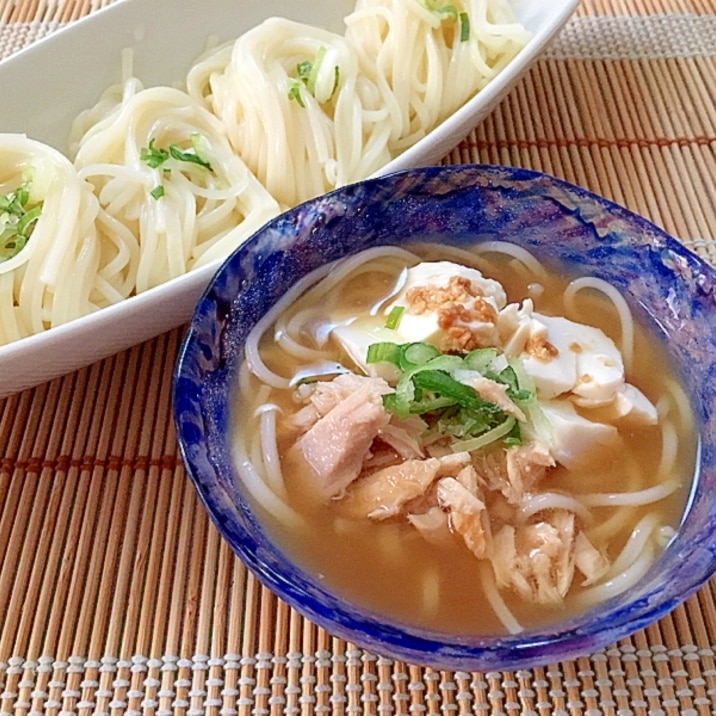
(57, 275)
(300, 139)
(172, 192)
(162, 180)
(428, 60)
(309, 110)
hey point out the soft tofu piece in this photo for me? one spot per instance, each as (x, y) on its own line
(574, 438)
(556, 374)
(439, 273)
(600, 369)
(419, 328)
(356, 338)
(588, 367)
(587, 362)
(514, 325)
(631, 407)
(634, 406)
(416, 327)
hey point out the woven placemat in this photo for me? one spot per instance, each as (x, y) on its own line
(117, 595)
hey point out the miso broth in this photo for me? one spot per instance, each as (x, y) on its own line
(390, 567)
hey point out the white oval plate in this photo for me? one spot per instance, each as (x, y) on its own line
(45, 86)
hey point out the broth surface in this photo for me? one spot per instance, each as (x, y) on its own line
(391, 569)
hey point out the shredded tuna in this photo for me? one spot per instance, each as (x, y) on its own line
(326, 395)
(334, 448)
(433, 526)
(384, 493)
(536, 560)
(451, 465)
(404, 436)
(526, 466)
(516, 471)
(467, 514)
(493, 392)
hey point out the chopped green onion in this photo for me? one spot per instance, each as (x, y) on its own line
(394, 317)
(460, 423)
(307, 75)
(426, 404)
(449, 11)
(383, 352)
(336, 79)
(14, 202)
(303, 70)
(438, 382)
(480, 359)
(482, 441)
(514, 437)
(30, 217)
(431, 385)
(188, 156)
(152, 156)
(508, 376)
(464, 27)
(417, 354)
(18, 216)
(294, 93)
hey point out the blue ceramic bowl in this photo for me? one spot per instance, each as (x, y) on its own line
(665, 284)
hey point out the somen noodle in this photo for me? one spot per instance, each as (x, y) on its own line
(169, 179)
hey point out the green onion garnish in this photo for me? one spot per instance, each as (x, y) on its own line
(415, 355)
(18, 216)
(394, 317)
(430, 385)
(154, 157)
(487, 438)
(383, 353)
(450, 12)
(464, 27)
(307, 74)
(192, 156)
(294, 93)
(313, 73)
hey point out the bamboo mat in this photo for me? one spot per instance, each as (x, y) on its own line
(117, 595)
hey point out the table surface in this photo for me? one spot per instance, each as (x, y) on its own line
(117, 595)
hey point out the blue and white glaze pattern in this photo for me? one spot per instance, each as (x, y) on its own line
(663, 282)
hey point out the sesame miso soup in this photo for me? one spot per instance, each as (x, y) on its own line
(467, 442)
